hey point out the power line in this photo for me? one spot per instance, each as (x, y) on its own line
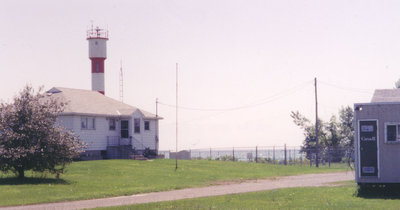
(263, 101)
(328, 107)
(185, 122)
(358, 90)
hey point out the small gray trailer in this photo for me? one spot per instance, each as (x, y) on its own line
(377, 139)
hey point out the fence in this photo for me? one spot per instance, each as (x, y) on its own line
(287, 155)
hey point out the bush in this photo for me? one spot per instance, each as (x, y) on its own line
(148, 153)
(225, 158)
(30, 139)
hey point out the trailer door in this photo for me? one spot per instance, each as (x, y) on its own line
(368, 148)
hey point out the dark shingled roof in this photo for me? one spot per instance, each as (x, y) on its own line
(88, 102)
(386, 95)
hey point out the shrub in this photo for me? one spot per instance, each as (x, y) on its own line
(148, 153)
(30, 139)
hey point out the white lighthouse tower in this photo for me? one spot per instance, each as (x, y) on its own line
(97, 53)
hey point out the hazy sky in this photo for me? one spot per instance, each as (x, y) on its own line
(230, 54)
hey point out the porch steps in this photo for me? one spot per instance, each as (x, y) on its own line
(138, 157)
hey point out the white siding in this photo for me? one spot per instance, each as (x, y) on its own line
(145, 138)
(97, 138)
(149, 136)
(66, 121)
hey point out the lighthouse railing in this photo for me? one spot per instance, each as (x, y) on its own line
(97, 33)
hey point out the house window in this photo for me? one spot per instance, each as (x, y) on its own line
(146, 125)
(124, 129)
(111, 124)
(136, 125)
(88, 123)
(392, 132)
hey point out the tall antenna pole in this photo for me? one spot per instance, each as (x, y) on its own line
(156, 107)
(157, 126)
(176, 155)
(121, 84)
(316, 124)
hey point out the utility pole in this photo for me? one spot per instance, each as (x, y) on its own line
(285, 160)
(316, 124)
(156, 140)
(156, 107)
(176, 156)
(121, 84)
(256, 154)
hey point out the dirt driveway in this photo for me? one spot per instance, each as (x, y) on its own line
(222, 189)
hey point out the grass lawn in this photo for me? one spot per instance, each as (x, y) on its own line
(342, 197)
(106, 178)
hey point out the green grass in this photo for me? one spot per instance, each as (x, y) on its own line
(106, 178)
(342, 197)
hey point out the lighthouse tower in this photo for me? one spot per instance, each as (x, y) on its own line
(97, 53)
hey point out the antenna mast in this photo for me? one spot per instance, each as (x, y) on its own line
(316, 126)
(121, 84)
(176, 154)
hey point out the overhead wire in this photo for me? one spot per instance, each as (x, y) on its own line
(196, 119)
(358, 90)
(344, 88)
(267, 99)
(260, 102)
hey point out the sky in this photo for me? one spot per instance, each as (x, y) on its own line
(243, 65)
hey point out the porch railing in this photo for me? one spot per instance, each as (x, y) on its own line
(137, 144)
(118, 141)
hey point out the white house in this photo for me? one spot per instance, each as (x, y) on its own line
(110, 128)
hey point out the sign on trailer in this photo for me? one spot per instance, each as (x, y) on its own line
(368, 140)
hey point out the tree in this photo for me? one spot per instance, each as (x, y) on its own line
(346, 118)
(397, 84)
(336, 138)
(30, 139)
(333, 148)
(309, 133)
(346, 126)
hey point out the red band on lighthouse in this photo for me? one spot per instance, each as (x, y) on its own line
(97, 65)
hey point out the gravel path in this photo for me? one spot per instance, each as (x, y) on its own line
(223, 189)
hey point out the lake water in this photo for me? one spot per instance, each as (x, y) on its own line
(244, 154)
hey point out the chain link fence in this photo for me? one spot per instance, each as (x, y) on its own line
(286, 155)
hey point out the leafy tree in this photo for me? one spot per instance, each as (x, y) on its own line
(346, 118)
(346, 126)
(309, 133)
(30, 139)
(336, 138)
(333, 149)
(397, 84)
